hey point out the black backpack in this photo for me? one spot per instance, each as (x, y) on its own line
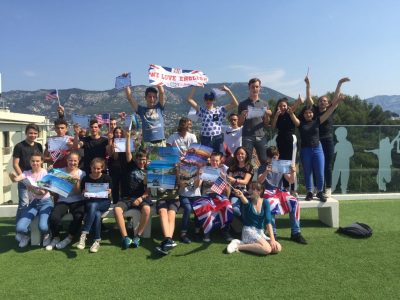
(356, 230)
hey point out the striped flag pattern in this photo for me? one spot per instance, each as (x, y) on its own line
(52, 95)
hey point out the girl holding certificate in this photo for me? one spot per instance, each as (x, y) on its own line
(96, 190)
(73, 204)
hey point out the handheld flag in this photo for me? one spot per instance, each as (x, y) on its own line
(219, 185)
(52, 95)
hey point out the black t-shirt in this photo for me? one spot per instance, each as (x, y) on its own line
(93, 148)
(309, 133)
(326, 128)
(239, 173)
(104, 178)
(23, 151)
(255, 126)
(285, 125)
(136, 187)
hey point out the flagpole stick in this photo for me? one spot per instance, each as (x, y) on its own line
(308, 70)
(58, 99)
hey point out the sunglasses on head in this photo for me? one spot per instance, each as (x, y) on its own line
(209, 96)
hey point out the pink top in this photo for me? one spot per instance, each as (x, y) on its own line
(33, 178)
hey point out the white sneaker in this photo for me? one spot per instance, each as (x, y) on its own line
(24, 241)
(82, 242)
(52, 244)
(95, 247)
(18, 237)
(233, 246)
(328, 192)
(64, 243)
(46, 240)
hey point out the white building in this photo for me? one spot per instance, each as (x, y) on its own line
(12, 131)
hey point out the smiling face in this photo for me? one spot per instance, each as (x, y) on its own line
(323, 103)
(113, 125)
(118, 133)
(241, 156)
(308, 115)
(36, 162)
(31, 135)
(215, 161)
(96, 169)
(254, 89)
(94, 129)
(73, 161)
(282, 106)
(151, 99)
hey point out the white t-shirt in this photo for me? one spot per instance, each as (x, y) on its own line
(232, 137)
(33, 178)
(183, 143)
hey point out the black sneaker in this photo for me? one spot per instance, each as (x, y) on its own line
(185, 239)
(321, 196)
(298, 238)
(227, 236)
(309, 196)
(161, 250)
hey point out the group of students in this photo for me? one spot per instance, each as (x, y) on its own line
(91, 157)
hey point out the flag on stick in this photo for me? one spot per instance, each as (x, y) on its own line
(52, 95)
(103, 118)
(219, 185)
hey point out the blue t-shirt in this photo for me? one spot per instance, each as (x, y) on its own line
(152, 122)
(251, 218)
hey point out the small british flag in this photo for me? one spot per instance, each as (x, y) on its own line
(219, 186)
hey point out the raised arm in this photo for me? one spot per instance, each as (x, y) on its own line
(234, 103)
(297, 103)
(293, 117)
(309, 100)
(239, 194)
(336, 96)
(128, 92)
(161, 95)
(191, 101)
(128, 152)
(61, 112)
(330, 110)
(76, 145)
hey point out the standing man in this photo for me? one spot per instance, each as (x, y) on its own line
(253, 135)
(21, 156)
(151, 115)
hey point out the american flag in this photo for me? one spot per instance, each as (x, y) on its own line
(56, 155)
(219, 185)
(213, 213)
(52, 95)
(103, 118)
(281, 202)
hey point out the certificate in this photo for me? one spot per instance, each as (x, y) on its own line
(81, 120)
(120, 145)
(58, 143)
(96, 190)
(123, 81)
(255, 112)
(281, 166)
(210, 173)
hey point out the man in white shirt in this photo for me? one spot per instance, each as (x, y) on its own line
(182, 139)
(232, 135)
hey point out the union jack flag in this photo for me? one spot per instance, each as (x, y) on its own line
(213, 213)
(52, 95)
(219, 186)
(281, 202)
(103, 118)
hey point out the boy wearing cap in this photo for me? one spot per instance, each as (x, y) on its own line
(211, 117)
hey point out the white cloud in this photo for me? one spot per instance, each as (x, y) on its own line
(29, 73)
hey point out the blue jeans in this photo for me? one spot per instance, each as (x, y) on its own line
(23, 199)
(215, 142)
(236, 206)
(43, 207)
(312, 159)
(259, 143)
(328, 147)
(294, 225)
(94, 210)
(186, 204)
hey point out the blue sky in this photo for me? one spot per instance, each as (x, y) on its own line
(85, 44)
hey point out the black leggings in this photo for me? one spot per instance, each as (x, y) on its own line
(77, 209)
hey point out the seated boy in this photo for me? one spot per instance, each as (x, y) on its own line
(136, 196)
(273, 184)
(216, 162)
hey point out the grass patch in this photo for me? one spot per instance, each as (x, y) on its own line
(331, 266)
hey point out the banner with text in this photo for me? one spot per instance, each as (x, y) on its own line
(176, 78)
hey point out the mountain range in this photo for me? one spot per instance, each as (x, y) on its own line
(114, 101)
